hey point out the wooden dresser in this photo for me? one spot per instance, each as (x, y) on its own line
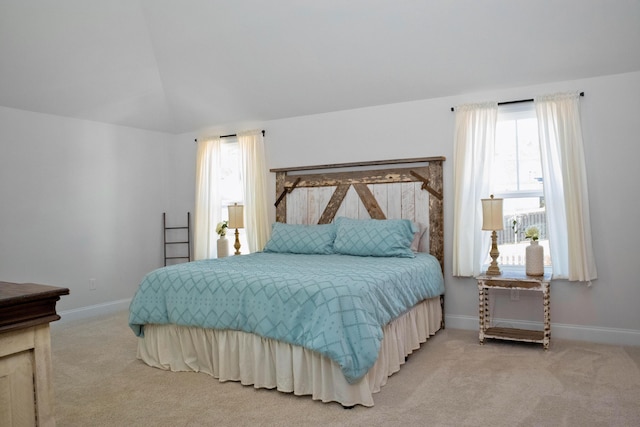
(26, 382)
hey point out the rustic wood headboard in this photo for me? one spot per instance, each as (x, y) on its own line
(404, 188)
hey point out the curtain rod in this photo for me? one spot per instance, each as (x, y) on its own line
(231, 135)
(516, 102)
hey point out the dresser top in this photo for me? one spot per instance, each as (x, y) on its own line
(18, 293)
(23, 305)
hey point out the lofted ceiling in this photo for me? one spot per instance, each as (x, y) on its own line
(177, 66)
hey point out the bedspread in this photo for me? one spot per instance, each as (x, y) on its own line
(336, 305)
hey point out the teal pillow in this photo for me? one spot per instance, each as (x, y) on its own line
(301, 239)
(374, 237)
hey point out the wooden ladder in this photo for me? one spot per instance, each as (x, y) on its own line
(183, 240)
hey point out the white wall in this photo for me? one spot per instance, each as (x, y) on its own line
(82, 200)
(608, 310)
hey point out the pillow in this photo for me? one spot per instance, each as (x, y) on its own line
(417, 236)
(301, 239)
(374, 237)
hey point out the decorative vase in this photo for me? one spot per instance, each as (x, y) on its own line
(534, 261)
(223, 247)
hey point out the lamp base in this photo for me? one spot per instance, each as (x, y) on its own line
(493, 269)
(237, 243)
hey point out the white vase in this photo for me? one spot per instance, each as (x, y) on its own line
(223, 247)
(534, 259)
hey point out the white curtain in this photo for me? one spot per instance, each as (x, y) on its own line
(208, 201)
(254, 172)
(565, 186)
(474, 141)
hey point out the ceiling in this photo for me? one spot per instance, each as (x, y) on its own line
(177, 66)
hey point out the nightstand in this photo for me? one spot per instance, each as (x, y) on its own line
(519, 281)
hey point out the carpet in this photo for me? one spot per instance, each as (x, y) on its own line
(450, 381)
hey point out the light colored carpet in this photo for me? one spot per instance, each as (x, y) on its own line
(450, 381)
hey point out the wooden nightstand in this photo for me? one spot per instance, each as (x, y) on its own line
(519, 281)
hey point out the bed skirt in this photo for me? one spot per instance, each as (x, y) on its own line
(265, 363)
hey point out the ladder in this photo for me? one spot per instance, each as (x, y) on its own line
(182, 239)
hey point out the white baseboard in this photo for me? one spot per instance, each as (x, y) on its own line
(93, 311)
(594, 334)
(563, 331)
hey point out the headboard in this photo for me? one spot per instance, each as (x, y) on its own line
(404, 188)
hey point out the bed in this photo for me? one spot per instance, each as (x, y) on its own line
(349, 285)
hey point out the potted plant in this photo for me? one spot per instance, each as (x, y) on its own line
(223, 243)
(534, 255)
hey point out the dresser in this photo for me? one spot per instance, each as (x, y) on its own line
(26, 388)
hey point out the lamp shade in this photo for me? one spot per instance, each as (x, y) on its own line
(492, 214)
(236, 216)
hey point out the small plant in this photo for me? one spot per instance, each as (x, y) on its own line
(532, 233)
(515, 226)
(221, 228)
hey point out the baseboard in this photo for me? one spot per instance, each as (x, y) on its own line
(593, 334)
(93, 311)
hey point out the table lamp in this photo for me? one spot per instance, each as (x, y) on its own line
(236, 220)
(492, 220)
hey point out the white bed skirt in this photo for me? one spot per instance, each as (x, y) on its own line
(265, 363)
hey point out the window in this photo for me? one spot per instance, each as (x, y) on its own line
(517, 178)
(231, 189)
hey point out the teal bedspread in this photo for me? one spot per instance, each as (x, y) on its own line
(336, 305)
